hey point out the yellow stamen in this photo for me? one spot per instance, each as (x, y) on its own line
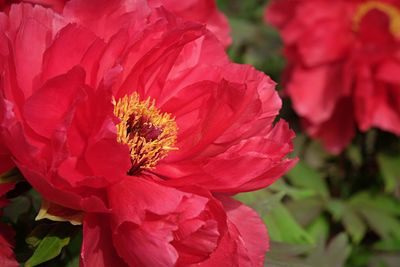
(391, 11)
(149, 133)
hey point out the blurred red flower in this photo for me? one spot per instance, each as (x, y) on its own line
(115, 108)
(343, 63)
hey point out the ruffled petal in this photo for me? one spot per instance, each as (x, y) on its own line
(97, 247)
(251, 228)
(204, 11)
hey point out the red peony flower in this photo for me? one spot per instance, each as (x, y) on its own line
(148, 93)
(138, 119)
(343, 60)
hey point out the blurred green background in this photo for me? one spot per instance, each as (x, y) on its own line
(329, 211)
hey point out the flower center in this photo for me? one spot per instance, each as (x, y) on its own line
(391, 11)
(149, 133)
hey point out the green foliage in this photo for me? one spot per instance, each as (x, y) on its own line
(381, 214)
(53, 243)
(390, 169)
(334, 254)
(284, 228)
(305, 177)
(49, 246)
(353, 224)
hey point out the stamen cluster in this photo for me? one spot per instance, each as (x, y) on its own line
(149, 133)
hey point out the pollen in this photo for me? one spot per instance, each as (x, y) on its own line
(391, 11)
(149, 133)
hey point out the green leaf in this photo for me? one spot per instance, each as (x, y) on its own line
(354, 154)
(306, 210)
(384, 260)
(22, 208)
(354, 225)
(380, 212)
(386, 204)
(74, 248)
(289, 249)
(390, 170)
(336, 208)
(74, 262)
(319, 229)
(283, 262)
(11, 176)
(386, 226)
(37, 234)
(390, 245)
(305, 177)
(261, 200)
(293, 192)
(334, 255)
(338, 250)
(315, 155)
(284, 228)
(50, 246)
(249, 198)
(18, 207)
